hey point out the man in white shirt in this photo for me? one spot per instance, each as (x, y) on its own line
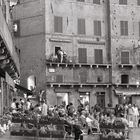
(136, 114)
(44, 110)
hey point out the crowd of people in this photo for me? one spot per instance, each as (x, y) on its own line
(82, 119)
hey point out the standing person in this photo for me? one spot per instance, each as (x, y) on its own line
(80, 107)
(44, 109)
(71, 110)
(136, 114)
(60, 55)
(28, 104)
(13, 105)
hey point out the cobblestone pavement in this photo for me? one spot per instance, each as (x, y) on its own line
(134, 135)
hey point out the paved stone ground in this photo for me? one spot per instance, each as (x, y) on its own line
(135, 135)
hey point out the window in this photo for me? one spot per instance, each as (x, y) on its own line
(101, 99)
(81, 0)
(58, 24)
(81, 26)
(98, 54)
(96, 1)
(138, 2)
(97, 28)
(82, 53)
(124, 28)
(123, 2)
(125, 57)
(124, 79)
(16, 28)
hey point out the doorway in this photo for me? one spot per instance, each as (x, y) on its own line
(101, 99)
(84, 97)
(62, 98)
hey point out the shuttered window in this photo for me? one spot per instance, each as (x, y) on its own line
(98, 53)
(97, 28)
(58, 24)
(59, 78)
(81, 26)
(125, 57)
(82, 54)
(138, 2)
(96, 1)
(123, 2)
(124, 28)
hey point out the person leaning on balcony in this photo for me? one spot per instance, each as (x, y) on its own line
(60, 55)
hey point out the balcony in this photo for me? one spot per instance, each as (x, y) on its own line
(126, 85)
(10, 63)
(73, 62)
(61, 81)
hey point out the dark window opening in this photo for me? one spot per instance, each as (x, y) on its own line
(124, 79)
(57, 49)
(124, 28)
(81, 26)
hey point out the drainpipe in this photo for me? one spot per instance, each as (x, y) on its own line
(108, 44)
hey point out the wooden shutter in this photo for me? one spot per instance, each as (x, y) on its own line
(96, 1)
(58, 24)
(123, 2)
(125, 57)
(98, 53)
(59, 78)
(81, 26)
(82, 53)
(124, 27)
(97, 28)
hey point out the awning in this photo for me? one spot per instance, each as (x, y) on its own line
(127, 93)
(29, 92)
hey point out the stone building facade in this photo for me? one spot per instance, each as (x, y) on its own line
(9, 59)
(93, 34)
